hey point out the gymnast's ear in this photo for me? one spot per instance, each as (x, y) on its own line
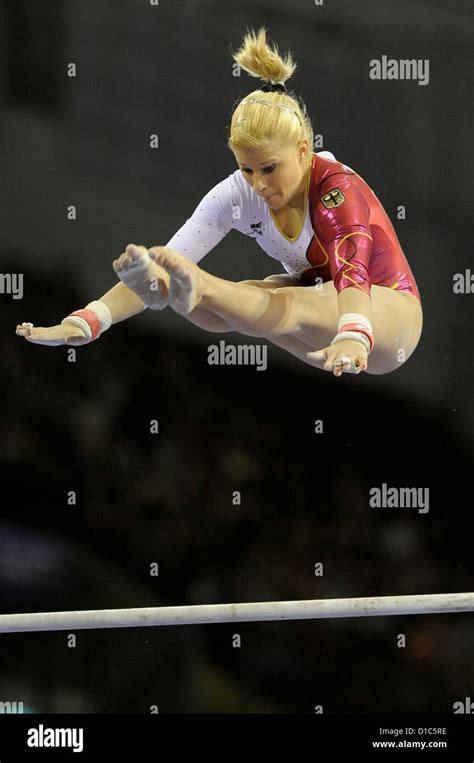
(303, 148)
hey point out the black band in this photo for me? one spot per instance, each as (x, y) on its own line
(269, 86)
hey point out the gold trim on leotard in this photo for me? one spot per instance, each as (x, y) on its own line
(347, 262)
(320, 264)
(291, 239)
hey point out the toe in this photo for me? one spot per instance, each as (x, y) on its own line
(162, 259)
(133, 252)
(137, 252)
(126, 261)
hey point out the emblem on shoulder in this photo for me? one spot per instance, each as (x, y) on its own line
(333, 199)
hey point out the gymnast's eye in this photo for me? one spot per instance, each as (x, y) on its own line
(267, 170)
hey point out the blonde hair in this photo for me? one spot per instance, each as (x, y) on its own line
(265, 118)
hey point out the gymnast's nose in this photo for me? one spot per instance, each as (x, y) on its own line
(260, 187)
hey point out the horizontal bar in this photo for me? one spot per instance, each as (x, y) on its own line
(200, 614)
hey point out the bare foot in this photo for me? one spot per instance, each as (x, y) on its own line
(184, 291)
(143, 276)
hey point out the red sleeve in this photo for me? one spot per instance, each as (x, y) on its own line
(342, 217)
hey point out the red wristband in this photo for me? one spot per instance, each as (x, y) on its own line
(362, 329)
(92, 319)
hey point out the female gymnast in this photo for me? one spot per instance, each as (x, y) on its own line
(348, 290)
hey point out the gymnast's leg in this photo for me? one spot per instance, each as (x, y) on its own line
(151, 283)
(295, 318)
(210, 321)
(252, 310)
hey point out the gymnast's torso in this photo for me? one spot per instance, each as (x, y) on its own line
(345, 234)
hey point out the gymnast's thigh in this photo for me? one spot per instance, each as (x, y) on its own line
(274, 281)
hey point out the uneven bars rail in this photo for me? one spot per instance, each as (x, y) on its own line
(200, 614)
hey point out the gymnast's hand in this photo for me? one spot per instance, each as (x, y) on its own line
(65, 333)
(349, 356)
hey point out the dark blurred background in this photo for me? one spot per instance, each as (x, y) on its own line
(166, 498)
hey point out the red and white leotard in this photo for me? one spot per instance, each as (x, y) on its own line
(346, 235)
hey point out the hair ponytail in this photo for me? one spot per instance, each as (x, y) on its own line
(262, 118)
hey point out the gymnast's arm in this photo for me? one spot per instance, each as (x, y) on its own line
(202, 231)
(117, 304)
(354, 300)
(209, 223)
(347, 229)
(122, 302)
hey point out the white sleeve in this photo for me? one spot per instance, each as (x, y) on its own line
(209, 223)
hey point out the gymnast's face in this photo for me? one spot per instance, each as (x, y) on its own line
(278, 174)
